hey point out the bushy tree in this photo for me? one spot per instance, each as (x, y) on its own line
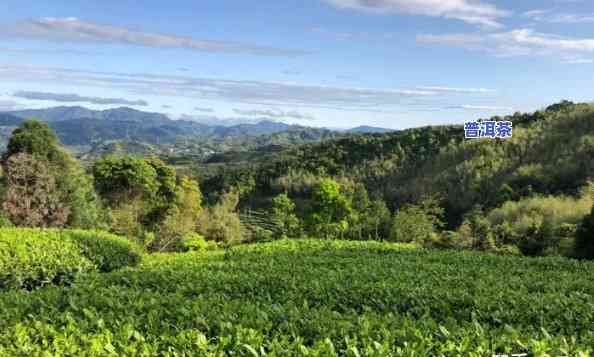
(330, 210)
(221, 222)
(283, 214)
(73, 188)
(32, 199)
(124, 179)
(368, 219)
(182, 218)
(34, 138)
(417, 223)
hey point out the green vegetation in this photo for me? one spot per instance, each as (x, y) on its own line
(525, 195)
(316, 298)
(31, 258)
(486, 190)
(69, 286)
(106, 251)
(584, 247)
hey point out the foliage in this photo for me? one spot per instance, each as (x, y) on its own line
(34, 138)
(106, 251)
(147, 203)
(221, 222)
(283, 214)
(77, 192)
(330, 210)
(126, 220)
(32, 258)
(538, 224)
(73, 197)
(584, 247)
(195, 242)
(368, 219)
(317, 298)
(550, 154)
(124, 179)
(31, 199)
(182, 218)
(417, 223)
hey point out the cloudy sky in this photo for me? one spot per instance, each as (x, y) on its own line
(336, 63)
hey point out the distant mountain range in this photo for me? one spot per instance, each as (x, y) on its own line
(79, 126)
(364, 129)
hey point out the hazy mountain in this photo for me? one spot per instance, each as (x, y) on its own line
(364, 129)
(69, 113)
(78, 126)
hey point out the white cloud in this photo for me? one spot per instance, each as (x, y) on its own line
(470, 11)
(75, 30)
(520, 42)
(456, 90)
(239, 91)
(67, 98)
(553, 16)
(483, 108)
(203, 110)
(350, 35)
(8, 105)
(275, 113)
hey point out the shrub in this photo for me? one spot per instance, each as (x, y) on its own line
(195, 242)
(221, 223)
(417, 223)
(31, 258)
(538, 225)
(34, 258)
(107, 251)
(449, 240)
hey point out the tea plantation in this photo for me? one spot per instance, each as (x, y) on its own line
(310, 298)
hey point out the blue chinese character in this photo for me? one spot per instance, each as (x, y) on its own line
(504, 129)
(488, 129)
(472, 130)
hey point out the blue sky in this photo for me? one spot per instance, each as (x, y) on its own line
(336, 63)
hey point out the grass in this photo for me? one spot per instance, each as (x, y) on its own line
(311, 298)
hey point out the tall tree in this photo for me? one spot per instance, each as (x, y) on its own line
(31, 199)
(330, 210)
(72, 187)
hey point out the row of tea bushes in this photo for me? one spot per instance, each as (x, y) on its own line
(31, 258)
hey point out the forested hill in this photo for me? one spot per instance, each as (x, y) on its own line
(550, 153)
(78, 126)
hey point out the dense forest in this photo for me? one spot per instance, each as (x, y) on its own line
(530, 194)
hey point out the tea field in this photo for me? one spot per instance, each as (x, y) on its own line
(310, 298)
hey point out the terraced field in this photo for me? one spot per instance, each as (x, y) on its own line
(311, 298)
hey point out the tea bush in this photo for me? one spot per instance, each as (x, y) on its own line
(107, 251)
(312, 298)
(32, 258)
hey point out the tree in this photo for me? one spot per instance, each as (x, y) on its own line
(182, 218)
(377, 220)
(71, 186)
(34, 138)
(221, 223)
(124, 179)
(584, 243)
(31, 199)
(417, 223)
(330, 210)
(283, 213)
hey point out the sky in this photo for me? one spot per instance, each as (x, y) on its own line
(332, 63)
